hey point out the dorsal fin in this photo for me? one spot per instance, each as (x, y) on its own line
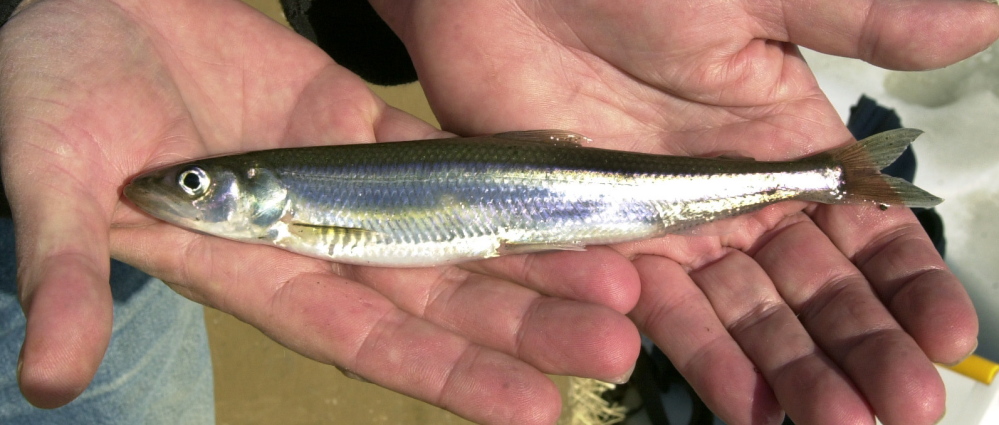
(550, 137)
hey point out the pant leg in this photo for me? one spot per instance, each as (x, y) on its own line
(157, 369)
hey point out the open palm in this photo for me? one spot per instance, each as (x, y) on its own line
(832, 313)
(93, 92)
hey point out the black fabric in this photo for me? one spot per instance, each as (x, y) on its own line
(353, 34)
(295, 12)
(6, 9)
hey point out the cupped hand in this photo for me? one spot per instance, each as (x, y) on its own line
(94, 91)
(831, 313)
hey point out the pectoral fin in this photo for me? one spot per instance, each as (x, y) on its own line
(308, 231)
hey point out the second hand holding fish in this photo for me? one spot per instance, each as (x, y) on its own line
(435, 202)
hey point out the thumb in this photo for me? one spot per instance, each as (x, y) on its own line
(63, 269)
(897, 34)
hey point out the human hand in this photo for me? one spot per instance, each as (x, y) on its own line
(833, 313)
(92, 92)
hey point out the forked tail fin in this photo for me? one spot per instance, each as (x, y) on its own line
(862, 163)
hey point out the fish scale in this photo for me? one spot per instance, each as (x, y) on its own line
(433, 202)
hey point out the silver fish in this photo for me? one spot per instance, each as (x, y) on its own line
(433, 202)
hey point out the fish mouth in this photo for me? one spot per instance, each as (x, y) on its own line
(138, 195)
(146, 194)
(138, 191)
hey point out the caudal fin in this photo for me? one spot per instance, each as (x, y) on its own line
(862, 163)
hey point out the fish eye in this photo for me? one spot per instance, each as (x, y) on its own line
(194, 181)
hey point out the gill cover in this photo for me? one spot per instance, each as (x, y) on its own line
(269, 198)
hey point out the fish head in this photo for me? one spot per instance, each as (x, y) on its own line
(234, 201)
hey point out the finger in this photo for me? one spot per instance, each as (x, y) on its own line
(483, 385)
(898, 34)
(846, 319)
(909, 275)
(555, 335)
(677, 316)
(63, 271)
(298, 301)
(350, 325)
(752, 310)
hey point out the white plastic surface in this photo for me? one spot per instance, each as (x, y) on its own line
(969, 401)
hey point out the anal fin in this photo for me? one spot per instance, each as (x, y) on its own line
(510, 248)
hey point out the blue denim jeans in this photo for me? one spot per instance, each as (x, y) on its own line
(157, 369)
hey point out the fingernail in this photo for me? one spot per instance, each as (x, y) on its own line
(350, 374)
(623, 379)
(20, 364)
(965, 357)
(973, 349)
